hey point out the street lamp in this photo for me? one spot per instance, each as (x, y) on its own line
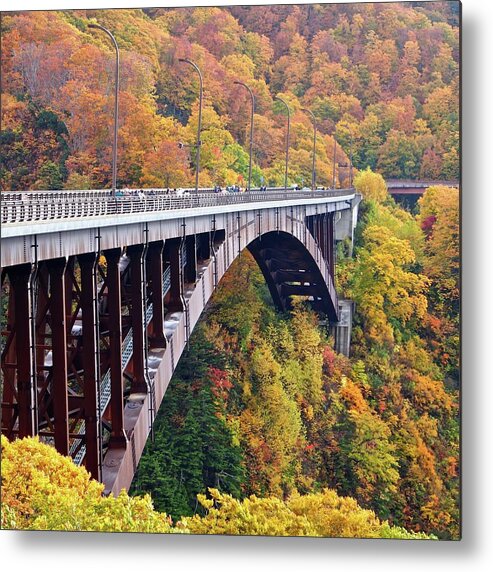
(351, 160)
(287, 144)
(314, 144)
(199, 127)
(251, 132)
(117, 87)
(334, 166)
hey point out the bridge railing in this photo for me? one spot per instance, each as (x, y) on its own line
(36, 206)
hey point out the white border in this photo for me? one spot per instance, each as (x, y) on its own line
(82, 552)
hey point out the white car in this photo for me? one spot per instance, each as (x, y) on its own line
(182, 192)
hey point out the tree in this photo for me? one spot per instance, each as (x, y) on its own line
(321, 514)
(166, 166)
(42, 490)
(389, 294)
(371, 185)
(195, 447)
(439, 218)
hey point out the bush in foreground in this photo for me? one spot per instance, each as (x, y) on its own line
(42, 490)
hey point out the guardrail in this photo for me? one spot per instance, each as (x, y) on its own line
(39, 206)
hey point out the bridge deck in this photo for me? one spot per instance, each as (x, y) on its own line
(68, 211)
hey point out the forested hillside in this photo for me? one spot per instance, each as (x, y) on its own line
(261, 404)
(382, 78)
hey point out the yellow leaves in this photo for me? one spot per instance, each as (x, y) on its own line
(384, 288)
(263, 363)
(240, 66)
(427, 427)
(352, 395)
(33, 473)
(371, 185)
(41, 490)
(439, 217)
(437, 519)
(430, 396)
(323, 514)
(12, 110)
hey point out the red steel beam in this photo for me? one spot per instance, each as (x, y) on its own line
(90, 362)
(9, 365)
(173, 249)
(20, 280)
(155, 274)
(56, 269)
(137, 254)
(118, 438)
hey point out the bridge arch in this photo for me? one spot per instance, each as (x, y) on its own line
(292, 268)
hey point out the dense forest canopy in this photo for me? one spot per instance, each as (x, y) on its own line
(381, 78)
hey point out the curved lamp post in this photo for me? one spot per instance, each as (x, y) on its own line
(117, 88)
(287, 143)
(351, 159)
(334, 165)
(314, 144)
(199, 127)
(251, 131)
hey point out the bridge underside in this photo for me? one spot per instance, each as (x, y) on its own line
(92, 340)
(289, 271)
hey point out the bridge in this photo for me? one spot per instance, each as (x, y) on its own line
(105, 291)
(414, 187)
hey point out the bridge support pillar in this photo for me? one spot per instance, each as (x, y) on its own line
(42, 306)
(191, 265)
(9, 370)
(58, 323)
(204, 246)
(173, 251)
(118, 438)
(321, 234)
(157, 338)
(341, 330)
(21, 280)
(139, 328)
(90, 362)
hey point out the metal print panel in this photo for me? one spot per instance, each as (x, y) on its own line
(231, 271)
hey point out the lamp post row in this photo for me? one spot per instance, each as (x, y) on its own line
(199, 126)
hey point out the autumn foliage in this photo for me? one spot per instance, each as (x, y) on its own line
(264, 429)
(41, 490)
(380, 78)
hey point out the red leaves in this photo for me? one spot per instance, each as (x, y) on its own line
(427, 224)
(329, 358)
(220, 382)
